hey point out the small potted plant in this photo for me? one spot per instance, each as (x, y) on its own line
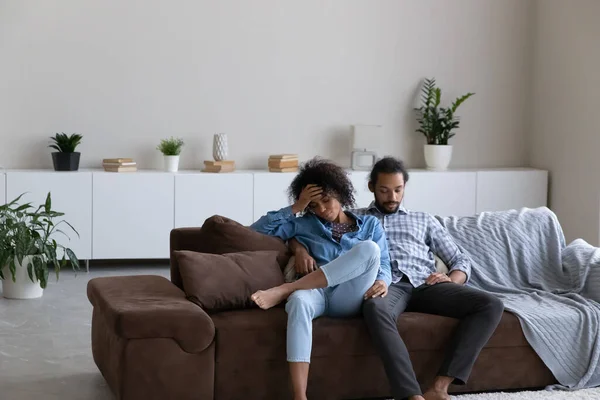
(437, 124)
(65, 158)
(28, 249)
(171, 149)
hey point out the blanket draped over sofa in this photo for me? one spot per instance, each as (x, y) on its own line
(553, 288)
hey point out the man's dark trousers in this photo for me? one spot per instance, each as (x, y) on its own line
(479, 313)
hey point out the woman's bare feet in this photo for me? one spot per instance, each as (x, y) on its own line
(266, 299)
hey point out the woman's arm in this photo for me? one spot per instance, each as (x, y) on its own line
(385, 270)
(279, 223)
(304, 263)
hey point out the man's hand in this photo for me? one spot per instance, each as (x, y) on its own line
(304, 264)
(437, 277)
(309, 193)
(379, 288)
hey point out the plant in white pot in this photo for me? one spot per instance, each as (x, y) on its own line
(171, 149)
(437, 124)
(28, 249)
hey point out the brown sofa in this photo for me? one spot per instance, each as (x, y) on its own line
(151, 342)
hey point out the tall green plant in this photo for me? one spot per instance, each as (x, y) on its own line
(170, 147)
(437, 123)
(65, 143)
(26, 230)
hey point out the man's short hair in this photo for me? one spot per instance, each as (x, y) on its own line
(388, 165)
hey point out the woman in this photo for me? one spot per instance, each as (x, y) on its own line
(350, 251)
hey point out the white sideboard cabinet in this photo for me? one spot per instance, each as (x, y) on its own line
(199, 196)
(2, 188)
(70, 192)
(131, 215)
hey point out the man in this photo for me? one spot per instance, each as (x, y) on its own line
(413, 239)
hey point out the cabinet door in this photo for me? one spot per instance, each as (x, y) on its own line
(199, 196)
(446, 193)
(270, 192)
(2, 189)
(71, 193)
(511, 189)
(133, 214)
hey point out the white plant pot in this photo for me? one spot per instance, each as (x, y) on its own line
(23, 287)
(171, 163)
(437, 157)
(220, 147)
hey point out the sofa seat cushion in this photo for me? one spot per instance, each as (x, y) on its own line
(261, 335)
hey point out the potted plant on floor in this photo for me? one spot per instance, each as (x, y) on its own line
(28, 249)
(171, 149)
(437, 124)
(65, 158)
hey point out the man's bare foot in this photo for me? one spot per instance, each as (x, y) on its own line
(436, 395)
(271, 297)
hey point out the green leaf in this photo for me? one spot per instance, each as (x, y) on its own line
(30, 271)
(48, 203)
(460, 100)
(73, 259)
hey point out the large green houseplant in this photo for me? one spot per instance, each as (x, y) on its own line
(28, 248)
(438, 124)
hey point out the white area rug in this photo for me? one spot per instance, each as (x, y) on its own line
(586, 394)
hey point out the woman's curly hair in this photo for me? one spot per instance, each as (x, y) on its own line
(330, 177)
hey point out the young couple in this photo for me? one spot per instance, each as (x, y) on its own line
(378, 260)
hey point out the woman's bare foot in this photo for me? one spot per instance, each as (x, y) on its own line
(266, 299)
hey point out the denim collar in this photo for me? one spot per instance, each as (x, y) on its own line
(359, 219)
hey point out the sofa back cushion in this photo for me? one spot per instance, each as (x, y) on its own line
(221, 235)
(220, 282)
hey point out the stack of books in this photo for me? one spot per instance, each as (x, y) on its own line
(283, 163)
(219, 166)
(119, 165)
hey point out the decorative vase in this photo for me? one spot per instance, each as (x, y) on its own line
(220, 147)
(171, 163)
(437, 157)
(65, 161)
(23, 287)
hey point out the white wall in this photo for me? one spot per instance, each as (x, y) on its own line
(276, 76)
(566, 103)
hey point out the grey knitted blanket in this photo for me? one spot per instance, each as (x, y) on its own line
(553, 288)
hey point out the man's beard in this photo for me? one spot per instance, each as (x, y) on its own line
(390, 207)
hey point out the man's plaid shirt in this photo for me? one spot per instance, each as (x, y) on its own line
(413, 239)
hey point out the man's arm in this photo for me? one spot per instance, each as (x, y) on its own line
(443, 245)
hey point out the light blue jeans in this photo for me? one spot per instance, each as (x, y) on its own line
(348, 278)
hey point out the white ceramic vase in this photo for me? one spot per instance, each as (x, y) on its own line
(171, 163)
(220, 147)
(23, 287)
(437, 157)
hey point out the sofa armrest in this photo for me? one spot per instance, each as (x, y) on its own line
(150, 306)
